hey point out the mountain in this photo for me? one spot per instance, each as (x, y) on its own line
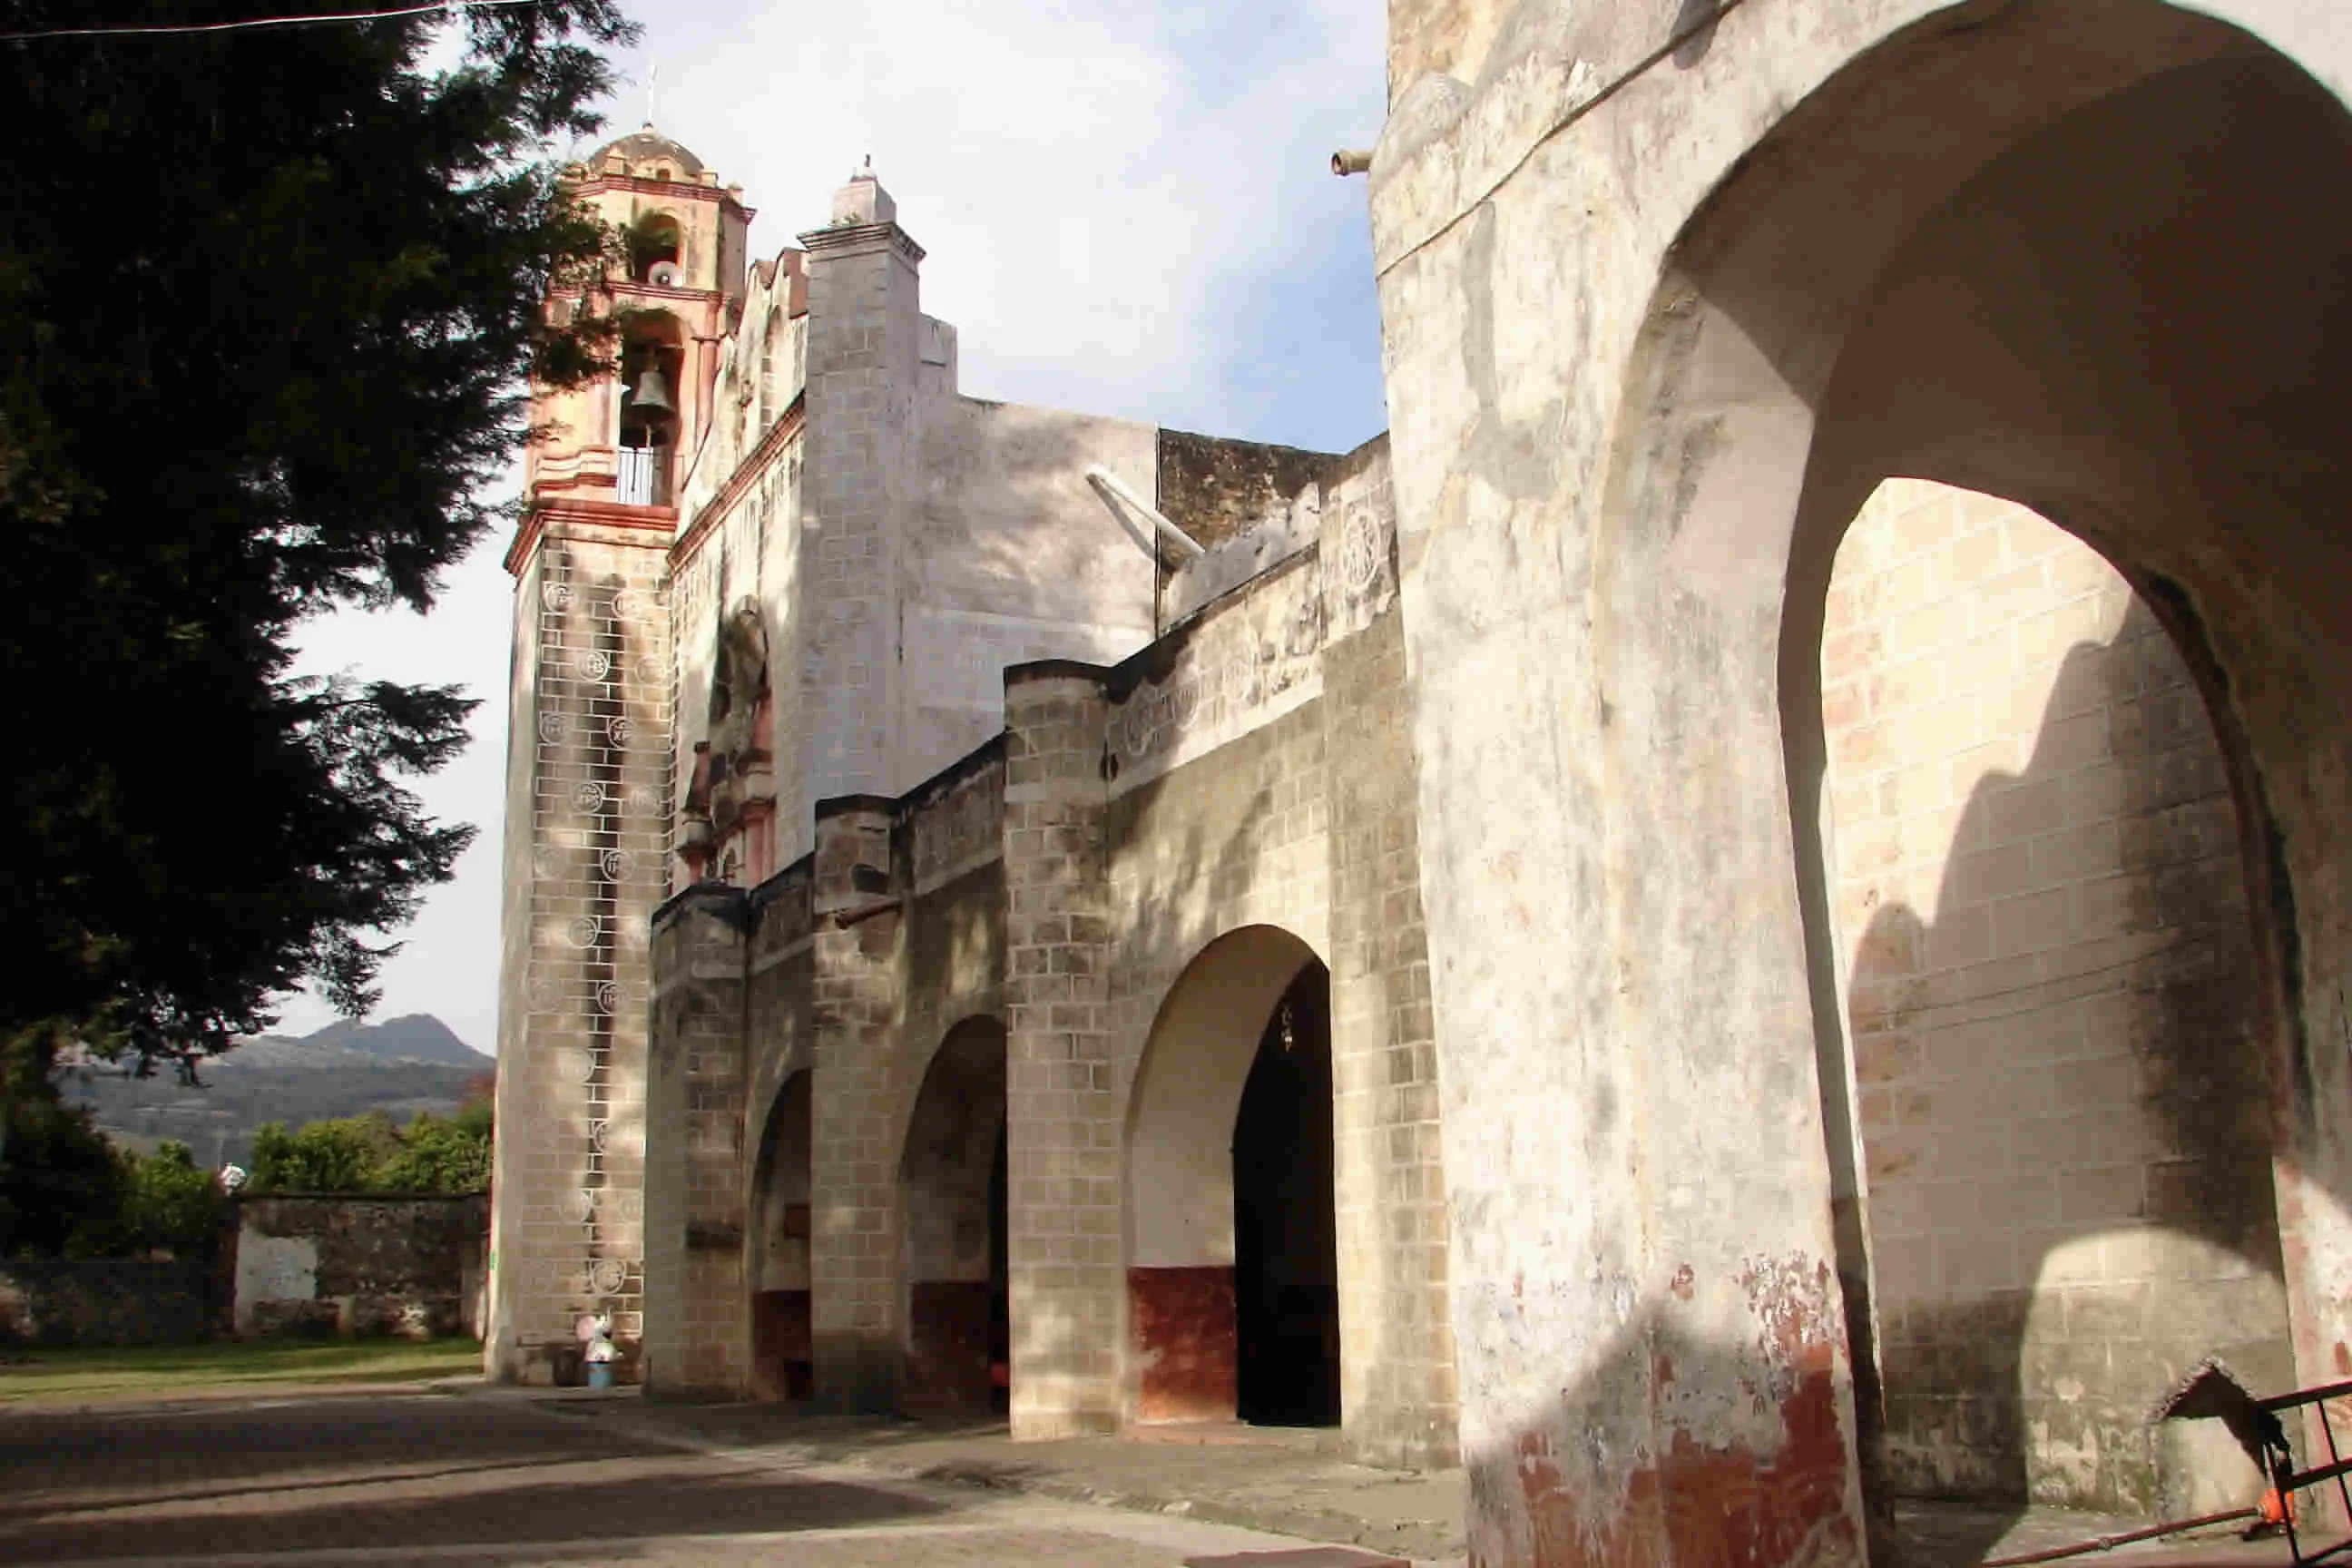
(416, 1037)
(400, 1066)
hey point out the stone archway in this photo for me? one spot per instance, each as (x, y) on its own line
(951, 1193)
(782, 1354)
(1644, 370)
(1223, 1126)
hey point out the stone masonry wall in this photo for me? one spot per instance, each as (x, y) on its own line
(863, 326)
(697, 1322)
(587, 824)
(2048, 979)
(1063, 1127)
(852, 1189)
(1224, 770)
(107, 1300)
(1398, 1392)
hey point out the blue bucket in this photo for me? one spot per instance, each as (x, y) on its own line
(600, 1375)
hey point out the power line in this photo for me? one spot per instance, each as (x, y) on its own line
(451, 6)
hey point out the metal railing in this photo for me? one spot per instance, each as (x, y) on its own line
(642, 480)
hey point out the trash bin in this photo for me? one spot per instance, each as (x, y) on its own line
(566, 1361)
(600, 1375)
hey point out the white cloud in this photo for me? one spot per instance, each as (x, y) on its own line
(1111, 198)
(1126, 211)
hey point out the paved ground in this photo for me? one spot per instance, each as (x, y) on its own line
(435, 1478)
(465, 1474)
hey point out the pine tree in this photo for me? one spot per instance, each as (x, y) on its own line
(268, 300)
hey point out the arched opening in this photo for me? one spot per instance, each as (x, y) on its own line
(653, 357)
(654, 244)
(782, 1346)
(1232, 1298)
(952, 1193)
(2061, 1096)
(2101, 293)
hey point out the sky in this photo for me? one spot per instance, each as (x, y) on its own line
(1129, 210)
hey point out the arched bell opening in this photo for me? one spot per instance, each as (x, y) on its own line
(653, 359)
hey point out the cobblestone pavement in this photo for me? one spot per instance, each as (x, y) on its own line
(433, 1479)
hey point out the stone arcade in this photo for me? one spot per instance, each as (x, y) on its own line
(1879, 1016)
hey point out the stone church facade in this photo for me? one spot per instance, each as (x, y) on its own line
(931, 814)
(1739, 919)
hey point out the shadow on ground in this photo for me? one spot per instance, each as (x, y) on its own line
(417, 1472)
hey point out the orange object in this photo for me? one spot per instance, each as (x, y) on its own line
(2276, 1509)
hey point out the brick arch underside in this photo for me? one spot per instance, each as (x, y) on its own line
(2062, 1099)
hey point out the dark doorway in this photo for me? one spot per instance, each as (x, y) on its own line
(952, 1196)
(1000, 1283)
(1285, 1243)
(784, 1363)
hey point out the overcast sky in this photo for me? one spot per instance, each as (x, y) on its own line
(1126, 213)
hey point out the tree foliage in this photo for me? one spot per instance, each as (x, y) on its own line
(369, 1155)
(61, 1182)
(268, 303)
(170, 1203)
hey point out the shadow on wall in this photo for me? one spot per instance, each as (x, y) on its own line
(2065, 1113)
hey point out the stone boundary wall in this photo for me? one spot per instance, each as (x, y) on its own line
(109, 1302)
(358, 1265)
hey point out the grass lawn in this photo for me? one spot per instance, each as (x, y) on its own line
(44, 1375)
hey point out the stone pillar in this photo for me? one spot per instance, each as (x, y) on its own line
(858, 487)
(586, 820)
(1064, 1117)
(853, 1186)
(1396, 1343)
(697, 1326)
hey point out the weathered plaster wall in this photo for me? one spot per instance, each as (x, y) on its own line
(1011, 557)
(2050, 987)
(1216, 488)
(1608, 406)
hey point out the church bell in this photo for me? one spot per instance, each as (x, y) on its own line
(652, 394)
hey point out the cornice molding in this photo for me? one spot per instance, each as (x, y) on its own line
(602, 515)
(597, 183)
(844, 236)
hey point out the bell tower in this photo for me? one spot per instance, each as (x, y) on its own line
(625, 439)
(588, 749)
